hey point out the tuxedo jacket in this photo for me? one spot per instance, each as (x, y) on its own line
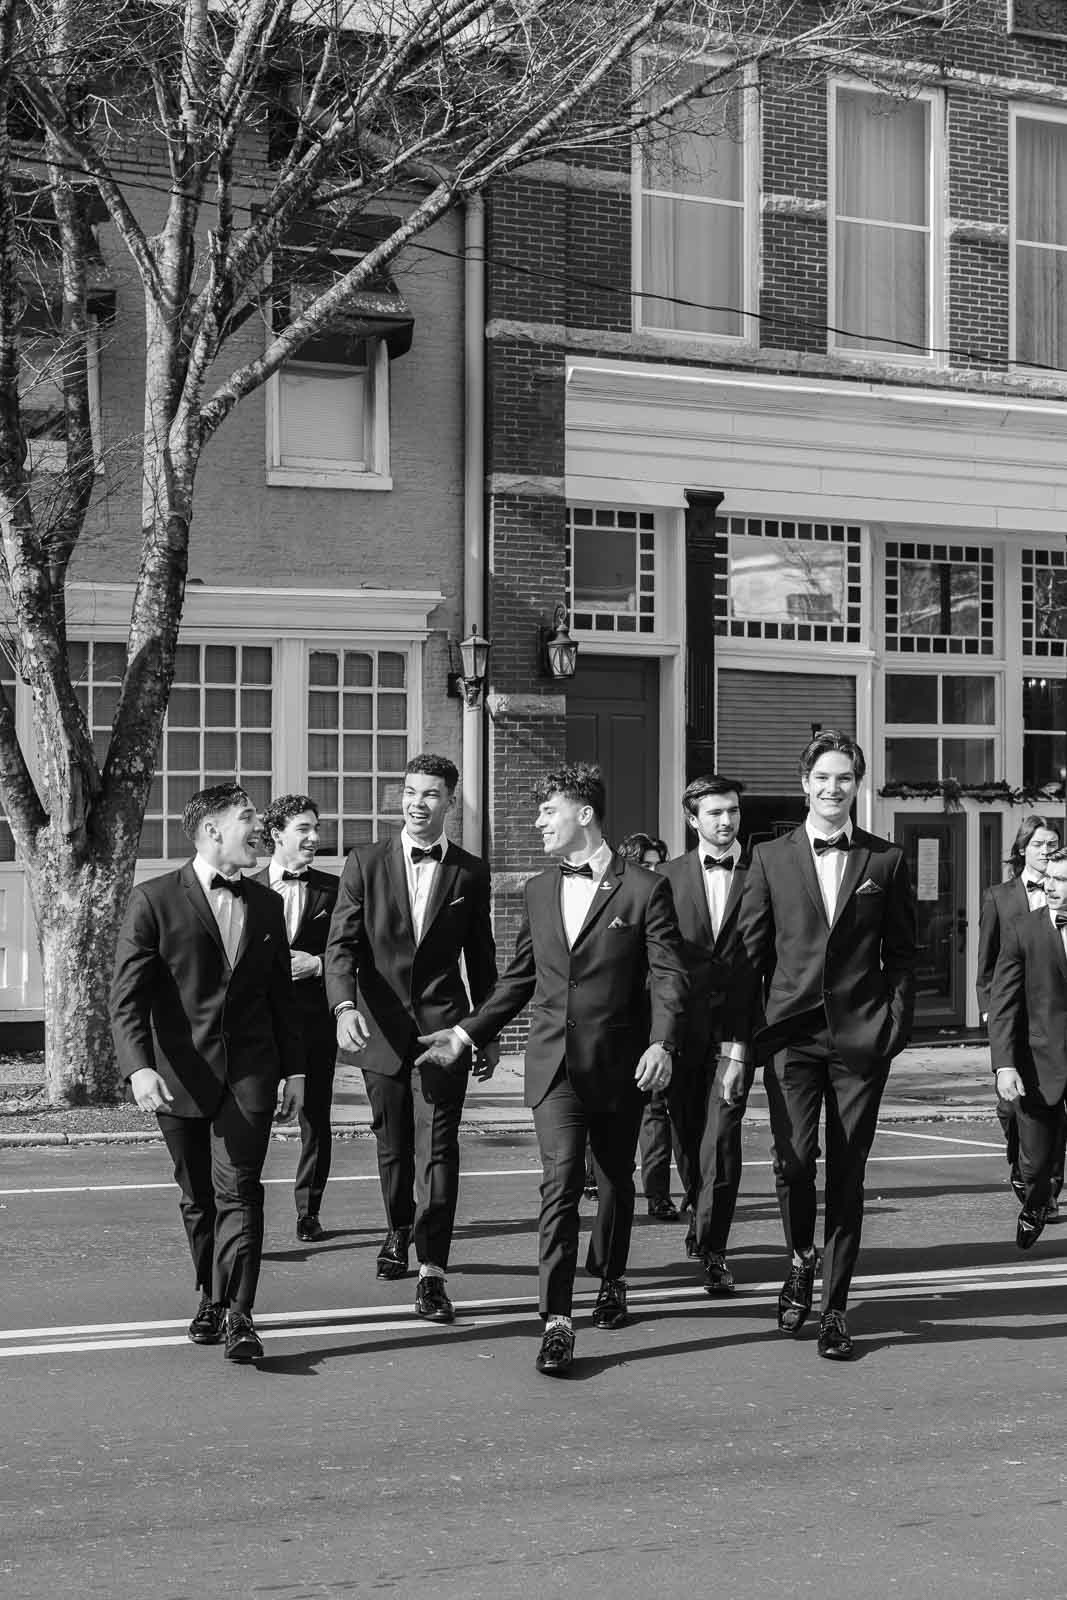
(1004, 903)
(860, 969)
(588, 1002)
(710, 959)
(311, 1012)
(1028, 1006)
(403, 988)
(178, 1006)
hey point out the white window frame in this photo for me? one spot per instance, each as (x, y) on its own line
(50, 455)
(369, 467)
(751, 160)
(936, 287)
(1016, 114)
(945, 667)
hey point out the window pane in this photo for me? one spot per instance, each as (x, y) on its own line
(322, 667)
(359, 670)
(258, 790)
(910, 698)
(359, 711)
(698, 149)
(389, 791)
(155, 795)
(256, 708)
(177, 842)
(220, 664)
(1050, 603)
(605, 570)
(322, 752)
(939, 597)
(392, 670)
(392, 710)
(322, 710)
(220, 750)
(882, 163)
(109, 662)
(220, 708)
(392, 752)
(1044, 705)
(969, 760)
(1041, 306)
(105, 703)
(357, 752)
(785, 580)
(78, 657)
(328, 836)
(881, 282)
(1044, 759)
(322, 415)
(1041, 180)
(187, 664)
(183, 752)
(257, 665)
(184, 708)
(911, 761)
(692, 266)
(151, 843)
(324, 793)
(179, 792)
(358, 794)
(967, 699)
(256, 752)
(358, 830)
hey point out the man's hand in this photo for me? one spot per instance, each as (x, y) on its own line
(292, 1098)
(149, 1090)
(485, 1061)
(304, 965)
(733, 1079)
(654, 1068)
(352, 1030)
(1009, 1084)
(444, 1047)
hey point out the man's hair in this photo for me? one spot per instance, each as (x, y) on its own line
(637, 845)
(209, 803)
(282, 811)
(1027, 828)
(435, 767)
(830, 741)
(1058, 855)
(711, 783)
(581, 781)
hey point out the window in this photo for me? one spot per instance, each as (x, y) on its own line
(328, 420)
(884, 239)
(357, 743)
(1039, 250)
(41, 394)
(613, 570)
(693, 253)
(1044, 602)
(930, 720)
(939, 599)
(788, 580)
(1044, 732)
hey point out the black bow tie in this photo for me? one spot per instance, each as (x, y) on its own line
(432, 854)
(236, 886)
(1061, 919)
(840, 842)
(725, 862)
(584, 871)
(1037, 886)
(294, 877)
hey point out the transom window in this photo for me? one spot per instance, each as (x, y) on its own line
(1039, 250)
(930, 721)
(1044, 737)
(613, 569)
(939, 599)
(1044, 602)
(357, 743)
(788, 580)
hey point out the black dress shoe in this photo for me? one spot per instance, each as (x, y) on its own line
(310, 1230)
(206, 1327)
(663, 1210)
(432, 1302)
(1052, 1210)
(794, 1302)
(556, 1354)
(1028, 1229)
(610, 1308)
(835, 1341)
(393, 1256)
(718, 1279)
(242, 1341)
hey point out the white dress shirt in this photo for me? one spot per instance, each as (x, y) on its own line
(227, 909)
(420, 877)
(830, 865)
(576, 895)
(717, 883)
(1061, 931)
(293, 892)
(1036, 897)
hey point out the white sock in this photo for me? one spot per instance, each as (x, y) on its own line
(559, 1322)
(804, 1258)
(426, 1270)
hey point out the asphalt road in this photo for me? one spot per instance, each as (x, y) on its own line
(695, 1451)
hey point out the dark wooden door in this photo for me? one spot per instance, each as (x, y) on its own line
(613, 719)
(935, 848)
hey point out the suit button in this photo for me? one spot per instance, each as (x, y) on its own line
(573, 984)
(571, 1023)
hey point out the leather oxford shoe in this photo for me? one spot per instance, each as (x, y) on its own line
(393, 1255)
(206, 1327)
(309, 1230)
(556, 1354)
(243, 1343)
(1028, 1229)
(835, 1341)
(610, 1308)
(794, 1301)
(432, 1302)
(718, 1279)
(663, 1210)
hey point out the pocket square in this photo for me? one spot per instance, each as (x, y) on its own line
(870, 887)
(458, 901)
(618, 922)
(317, 915)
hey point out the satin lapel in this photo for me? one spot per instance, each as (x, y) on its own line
(545, 905)
(855, 866)
(314, 899)
(399, 881)
(246, 931)
(602, 897)
(199, 903)
(806, 866)
(733, 899)
(1056, 939)
(694, 880)
(444, 884)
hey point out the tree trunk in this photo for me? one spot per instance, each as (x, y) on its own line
(79, 905)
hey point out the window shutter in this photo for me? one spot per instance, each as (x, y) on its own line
(765, 720)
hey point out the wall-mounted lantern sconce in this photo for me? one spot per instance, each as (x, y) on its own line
(467, 684)
(559, 649)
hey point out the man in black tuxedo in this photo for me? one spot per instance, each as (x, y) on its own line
(409, 909)
(827, 931)
(1028, 1041)
(709, 1091)
(291, 825)
(202, 1020)
(597, 952)
(1007, 903)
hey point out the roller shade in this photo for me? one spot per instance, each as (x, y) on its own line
(765, 718)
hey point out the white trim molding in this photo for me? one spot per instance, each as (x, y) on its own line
(103, 608)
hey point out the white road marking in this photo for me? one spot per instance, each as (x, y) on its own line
(939, 1138)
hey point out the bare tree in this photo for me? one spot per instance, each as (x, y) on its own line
(342, 104)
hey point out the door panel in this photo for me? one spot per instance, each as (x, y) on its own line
(613, 719)
(935, 848)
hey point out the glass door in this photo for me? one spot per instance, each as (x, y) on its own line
(935, 848)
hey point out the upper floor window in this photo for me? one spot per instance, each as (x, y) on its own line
(939, 599)
(613, 569)
(1044, 602)
(358, 743)
(692, 216)
(788, 580)
(883, 258)
(1039, 251)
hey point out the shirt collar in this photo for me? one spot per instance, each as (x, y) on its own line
(205, 872)
(733, 854)
(275, 870)
(410, 844)
(600, 860)
(813, 834)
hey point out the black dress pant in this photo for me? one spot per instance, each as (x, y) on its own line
(563, 1122)
(720, 1161)
(218, 1161)
(415, 1117)
(1040, 1132)
(799, 1080)
(656, 1143)
(316, 1142)
(1010, 1127)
